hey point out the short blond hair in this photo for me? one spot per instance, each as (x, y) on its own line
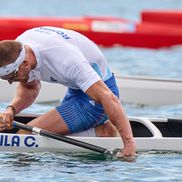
(9, 51)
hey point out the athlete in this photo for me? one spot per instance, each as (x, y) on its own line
(63, 57)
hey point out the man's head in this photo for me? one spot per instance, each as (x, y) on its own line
(12, 55)
(9, 51)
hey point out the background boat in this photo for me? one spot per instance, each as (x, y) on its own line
(173, 17)
(150, 90)
(132, 89)
(104, 31)
(48, 93)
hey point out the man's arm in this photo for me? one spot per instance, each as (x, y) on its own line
(112, 107)
(25, 95)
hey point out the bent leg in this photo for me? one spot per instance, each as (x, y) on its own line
(106, 130)
(51, 121)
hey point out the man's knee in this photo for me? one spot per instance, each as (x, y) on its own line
(106, 130)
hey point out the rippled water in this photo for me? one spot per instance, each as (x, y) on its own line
(28, 167)
(150, 166)
(164, 63)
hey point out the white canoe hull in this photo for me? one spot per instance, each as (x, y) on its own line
(137, 90)
(150, 134)
(34, 143)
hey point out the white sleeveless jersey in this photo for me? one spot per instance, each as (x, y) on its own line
(65, 57)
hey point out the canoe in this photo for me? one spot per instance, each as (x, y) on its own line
(173, 17)
(159, 134)
(136, 90)
(48, 93)
(104, 31)
(149, 90)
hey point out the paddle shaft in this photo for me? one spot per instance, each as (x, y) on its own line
(59, 137)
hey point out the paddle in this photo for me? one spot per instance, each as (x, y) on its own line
(65, 139)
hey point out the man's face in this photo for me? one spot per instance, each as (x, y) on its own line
(21, 74)
(11, 77)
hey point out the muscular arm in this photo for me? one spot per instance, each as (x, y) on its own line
(112, 106)
(25, 95)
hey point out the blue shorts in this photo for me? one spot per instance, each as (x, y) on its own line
(80, 112)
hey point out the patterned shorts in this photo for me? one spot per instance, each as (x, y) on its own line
(80, 112)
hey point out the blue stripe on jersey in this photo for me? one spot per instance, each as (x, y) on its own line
(97, 69)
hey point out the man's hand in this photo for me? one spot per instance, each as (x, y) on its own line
(6, 119)
(3, 124)
(127, 153)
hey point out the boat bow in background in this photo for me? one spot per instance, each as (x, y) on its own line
(104, 31)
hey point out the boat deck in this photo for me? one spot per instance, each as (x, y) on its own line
(168, 128)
